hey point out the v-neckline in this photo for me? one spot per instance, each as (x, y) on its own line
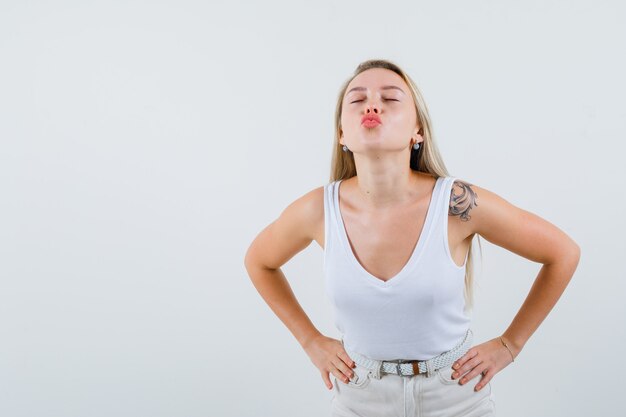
(417, 250)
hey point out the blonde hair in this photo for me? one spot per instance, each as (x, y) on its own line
(426, 159)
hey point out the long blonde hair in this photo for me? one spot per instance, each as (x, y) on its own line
(426, 159)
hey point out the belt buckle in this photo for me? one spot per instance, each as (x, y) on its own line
(415, 363)
(415, 367)
(399, 361)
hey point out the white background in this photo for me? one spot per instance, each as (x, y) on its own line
(145, 144)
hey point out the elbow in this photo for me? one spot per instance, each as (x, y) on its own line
(252, 262)
(572, 256)
(248, 259)
(571, 251)
(566, 256)
(574, 252)
(577, 254)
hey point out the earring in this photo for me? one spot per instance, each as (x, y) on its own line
(345, 148)
(416, 145)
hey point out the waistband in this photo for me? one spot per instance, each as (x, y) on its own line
(404, 367)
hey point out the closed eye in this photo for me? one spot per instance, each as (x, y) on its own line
(385, 99)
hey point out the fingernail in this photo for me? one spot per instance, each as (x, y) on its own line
(456, 365)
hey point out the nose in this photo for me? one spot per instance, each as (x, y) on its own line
(372, 108)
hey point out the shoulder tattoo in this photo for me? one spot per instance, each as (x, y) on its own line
(462, 202)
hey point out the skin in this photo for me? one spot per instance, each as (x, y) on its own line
(383, 209)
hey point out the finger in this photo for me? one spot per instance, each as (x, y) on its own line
(487, 375)
(344, 356)
(326, 379)
(467, 366)
(347, 364)
(342, 369)
(471, 374)
(458, 364)
(471, 353)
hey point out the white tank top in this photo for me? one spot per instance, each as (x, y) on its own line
(419, 312)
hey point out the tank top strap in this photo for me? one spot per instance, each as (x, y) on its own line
(441, 199)
(329, 220)
(446, 191)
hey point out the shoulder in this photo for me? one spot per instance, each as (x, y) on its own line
(463, 199)
(292, 231)
(305, 213)
(499, 221)
(479, 209)
(307, 205)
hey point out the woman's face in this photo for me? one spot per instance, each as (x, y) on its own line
(383, 93)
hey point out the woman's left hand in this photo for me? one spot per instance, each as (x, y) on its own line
(487, 359)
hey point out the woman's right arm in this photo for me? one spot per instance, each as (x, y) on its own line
(276, 244)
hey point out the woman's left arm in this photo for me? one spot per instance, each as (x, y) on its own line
(527, 235)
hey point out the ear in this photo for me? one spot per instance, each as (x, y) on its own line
(418, 138)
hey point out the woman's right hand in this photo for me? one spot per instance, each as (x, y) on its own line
(329, 355)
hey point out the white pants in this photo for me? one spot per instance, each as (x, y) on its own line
(410, 396)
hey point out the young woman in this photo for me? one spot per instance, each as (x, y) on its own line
(397, 235)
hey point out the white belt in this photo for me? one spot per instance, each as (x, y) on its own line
(405, 367)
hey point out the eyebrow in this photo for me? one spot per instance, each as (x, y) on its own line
(385, 87)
